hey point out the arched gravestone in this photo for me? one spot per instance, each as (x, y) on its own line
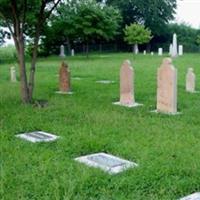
(126, 84)
(167, 88)
(64, 78)
(190, 80)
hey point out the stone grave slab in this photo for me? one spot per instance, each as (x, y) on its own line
(106, 162)
(38, 136)
(61, 92)
(132, 105)
(194, 196)
(105, 81)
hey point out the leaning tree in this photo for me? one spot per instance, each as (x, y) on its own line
(26, 18)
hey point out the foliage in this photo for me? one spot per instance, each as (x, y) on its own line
(198, 40)
(137, 34)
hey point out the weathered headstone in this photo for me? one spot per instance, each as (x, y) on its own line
(170, 49)
(160, 51)
(145, 52)
(64, 78)
(194, 196)
(174, 46)
(62, 51)
(72, 52)
(180, 50)
(190, 80)
(136, 50)
(13, 74)
(152, 53)
(167, 88)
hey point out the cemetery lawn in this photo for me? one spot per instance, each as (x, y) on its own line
(167, 148)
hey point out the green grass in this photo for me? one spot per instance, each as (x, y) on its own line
(167, 148)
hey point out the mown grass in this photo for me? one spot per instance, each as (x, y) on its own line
(167, 148)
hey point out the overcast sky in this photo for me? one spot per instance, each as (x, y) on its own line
(188, 11)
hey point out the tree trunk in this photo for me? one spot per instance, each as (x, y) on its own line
(87, 50)
(22, 69)
(68, 45)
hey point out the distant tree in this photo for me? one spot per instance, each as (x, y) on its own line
(137, 34)
(26, 18)
(198, 40)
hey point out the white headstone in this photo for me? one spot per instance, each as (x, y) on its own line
(145, 52)
(160, 51)
(13, 74)
(72, 52)
(62, 51)
(167, 88)
(180, 50)
(136, 50)
(194, 196)
(152, 53)
(170, 49)
(190, 80)
(174, 46)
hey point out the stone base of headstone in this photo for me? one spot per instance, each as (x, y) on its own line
(61, 92)
(105, 81)
(127, 105)
(194, 92)
(165, 113)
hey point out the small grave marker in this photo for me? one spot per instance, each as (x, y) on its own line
(194, 196)
(105, 81)
(190, 81)
(13, 74)
(106, 162)
(38, 136)
(62, 51)
(180, 50)
(160, 51)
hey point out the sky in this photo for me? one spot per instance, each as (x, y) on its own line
(188, 11)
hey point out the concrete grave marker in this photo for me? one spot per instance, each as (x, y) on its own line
(190, 81)
(106, 162)
(194, 196)
(174, 46)
(144, 52)
(180, 50)
(62, 51)
(167, 88)
(127, 86)
(64, 79)
(105, 81)
(72, 52)
(38, 136)
(160, 51)
(152, 53)
(170, 49)
(13, 74)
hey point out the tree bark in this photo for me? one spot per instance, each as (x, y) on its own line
(68, 45)
(87, 50)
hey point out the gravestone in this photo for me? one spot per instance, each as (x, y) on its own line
(194, 196)
(136, 50)
(152, 53)
(126, 84)
(180, 50)
(64, 78)
(72, 52)
(145, 52)
(167, 88)
(62, 51)
(13, 74)
(106, 162)
(160, 51)
(170, 49)
(174, 46)
(190, 80)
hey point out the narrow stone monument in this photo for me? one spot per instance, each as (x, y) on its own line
(127, 86)
(170, 49)
(145, 52)
(72, 52)
(62, 51)
(160, 51)
(190, 81)
(167, 88)
(64, 79)
(174, 46)
(180, 50)
(13, 74)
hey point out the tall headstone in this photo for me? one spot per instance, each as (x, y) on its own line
(126, 84)
(167, 88)
(170, 49)
(145, 52)
(190, 80)
(72, 52)
(64, 78)
(174, 46)
(13, 74)
(136, 50)
(180, 50)
(62, 51)
(160, 51)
